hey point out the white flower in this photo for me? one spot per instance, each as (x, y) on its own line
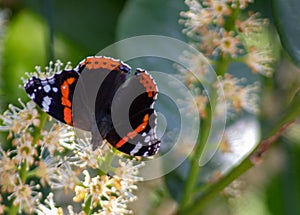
(228, 43)
(63, 176)
(110, 193)
(50, 70)
(195, 68)
(25, 196)
(8, 176)
(96, 188)
(25, 150)
(85, 155)
(49, 207)
(195, 19)
(58, 138)
(16, 120)
(241, 3)
(47, 169)
(238, 96)
(128, 171)
(252, 24)
(114, 206)
(260, 60)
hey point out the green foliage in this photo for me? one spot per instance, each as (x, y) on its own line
(142, 17)
(82, 28)
(286, 15)
(24, 41)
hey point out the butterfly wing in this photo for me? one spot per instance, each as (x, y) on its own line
(103, 76)
(134, 117)
(69, 95)
(54, 94)
(85, 96)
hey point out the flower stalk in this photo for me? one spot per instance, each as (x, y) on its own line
(219, 32)
(247, 163)
(194, 171)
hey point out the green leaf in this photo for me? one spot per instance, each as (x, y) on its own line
(88, 25)
(160, 17)
(23, 50)
(283, 191)
(286, 17)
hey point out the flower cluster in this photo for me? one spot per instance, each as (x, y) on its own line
(238, 95)
(43, 153)
(222, 31)
(111, 193)
(218, 30)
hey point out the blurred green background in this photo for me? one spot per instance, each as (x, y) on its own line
(36, 31)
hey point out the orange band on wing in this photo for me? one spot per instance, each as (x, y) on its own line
(65, 101)
(148, 83)
(101, 62)
(68, 115)
(64, 88)
(122, 142)
(133, 133)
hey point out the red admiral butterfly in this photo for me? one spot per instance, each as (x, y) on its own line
(93, 96)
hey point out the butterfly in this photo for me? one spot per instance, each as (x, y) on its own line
(100, 96)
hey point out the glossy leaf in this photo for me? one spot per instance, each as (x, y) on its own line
(141, 17)
(286, 17)
(88, 25)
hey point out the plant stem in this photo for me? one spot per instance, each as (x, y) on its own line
(87, 206)
(291, 114)
(215, 188)
(23, 171)
(194, 172)
(191, 182)
(13, 210)
(230, 21)
(223, 61)
(221, 66)
(37, 132)
(236, 172)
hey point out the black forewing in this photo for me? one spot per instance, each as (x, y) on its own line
(43, 90)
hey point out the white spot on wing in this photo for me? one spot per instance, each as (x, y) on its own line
(147, 139)
(46, 103)
(51, 81)
(47, 88)
(44, 82)
(32, 96)
(137, 147)
(55, 89)
(47, 99)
